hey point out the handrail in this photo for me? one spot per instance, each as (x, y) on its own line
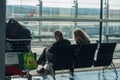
(66, 19)
(18, 39)
(37, 36)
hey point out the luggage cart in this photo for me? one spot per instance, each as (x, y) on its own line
(13, 48)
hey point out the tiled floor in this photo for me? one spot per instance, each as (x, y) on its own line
(88, 75)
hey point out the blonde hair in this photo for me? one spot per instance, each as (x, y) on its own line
(59, 34)
(81, 36)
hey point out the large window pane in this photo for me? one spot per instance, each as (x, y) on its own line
(22, 8)
(112, 9)
(89, 9)
(52, 8)
(81, 9)
(60, 8)
(91, 28)
(46, 29)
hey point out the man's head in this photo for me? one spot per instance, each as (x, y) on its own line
(58, 35)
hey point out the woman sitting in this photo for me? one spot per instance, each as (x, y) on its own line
(48, 54)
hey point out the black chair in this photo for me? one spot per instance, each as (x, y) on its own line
(85, 55)
(105, 56)
(63, 60)
(64, 57)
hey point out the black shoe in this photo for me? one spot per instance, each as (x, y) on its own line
(41, 71)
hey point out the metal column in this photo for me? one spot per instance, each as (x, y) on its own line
(106, 31)
(101, 18)
(76, 11)
(40, 15)
(2, 38)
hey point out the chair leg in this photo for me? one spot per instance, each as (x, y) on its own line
(114, 68)
(104, 67)
(51, 70)
(52, 73)
(99, 78)
(72, 73)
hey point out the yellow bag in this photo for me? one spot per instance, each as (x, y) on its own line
(27, 61)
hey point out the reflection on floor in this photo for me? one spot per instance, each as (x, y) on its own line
(88, 75)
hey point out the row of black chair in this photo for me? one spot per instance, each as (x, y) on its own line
(82, 56)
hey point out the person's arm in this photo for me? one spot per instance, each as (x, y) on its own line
(53, 48)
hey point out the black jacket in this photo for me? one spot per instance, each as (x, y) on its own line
(57, 44)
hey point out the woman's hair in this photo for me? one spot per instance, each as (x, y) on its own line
(80, 36)
(59, 34)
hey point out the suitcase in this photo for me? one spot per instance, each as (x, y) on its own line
(15, 30)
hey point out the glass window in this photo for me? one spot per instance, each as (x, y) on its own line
(112, 9)
(22, 8)
(65, 9)
(91, 28)
(52, 8)
(88, 9)
(60, 8)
